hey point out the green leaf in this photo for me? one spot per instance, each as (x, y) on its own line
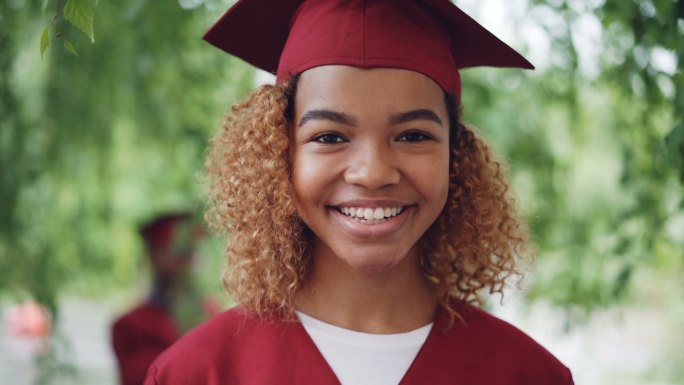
(44, 41)
(81, 14)
(70, 47)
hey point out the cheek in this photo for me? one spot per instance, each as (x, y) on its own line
(440, 190)
(307, 180)
(432, 177)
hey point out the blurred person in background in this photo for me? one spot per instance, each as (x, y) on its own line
(173, 306)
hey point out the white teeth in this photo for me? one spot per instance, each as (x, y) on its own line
(371, 214)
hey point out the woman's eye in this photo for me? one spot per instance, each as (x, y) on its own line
(414, 137)
(328, 139)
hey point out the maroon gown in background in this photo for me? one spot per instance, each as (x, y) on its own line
(234, 348)
(138, 337)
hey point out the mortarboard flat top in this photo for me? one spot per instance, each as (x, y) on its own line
(433, 37)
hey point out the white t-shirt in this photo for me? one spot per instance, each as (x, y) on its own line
(362, 358)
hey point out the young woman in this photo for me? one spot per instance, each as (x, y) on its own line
(364, 217)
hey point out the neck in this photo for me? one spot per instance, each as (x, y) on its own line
(393, 301)
(166, 286)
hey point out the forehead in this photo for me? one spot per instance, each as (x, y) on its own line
(354, 89)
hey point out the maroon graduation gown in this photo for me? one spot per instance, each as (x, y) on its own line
(138, 337)
(233, 348)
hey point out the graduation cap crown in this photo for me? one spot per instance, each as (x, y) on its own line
(161, 230)
(433, 37)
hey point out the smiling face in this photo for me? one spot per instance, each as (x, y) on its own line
(370, 162)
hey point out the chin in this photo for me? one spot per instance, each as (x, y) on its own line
(374, 262)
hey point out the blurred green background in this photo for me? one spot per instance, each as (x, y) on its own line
(109, 126)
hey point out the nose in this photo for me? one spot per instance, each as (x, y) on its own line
(372, 166)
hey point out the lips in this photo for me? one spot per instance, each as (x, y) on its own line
(362, 228)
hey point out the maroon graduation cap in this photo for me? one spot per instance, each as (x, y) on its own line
(159, 231)
(433, 37)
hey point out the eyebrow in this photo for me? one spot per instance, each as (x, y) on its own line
(340, 117)
(337, 117)
(422, 114)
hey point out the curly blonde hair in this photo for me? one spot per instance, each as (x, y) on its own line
(473, 246)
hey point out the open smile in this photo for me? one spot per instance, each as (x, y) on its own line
(353, 222)
(371, 215)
